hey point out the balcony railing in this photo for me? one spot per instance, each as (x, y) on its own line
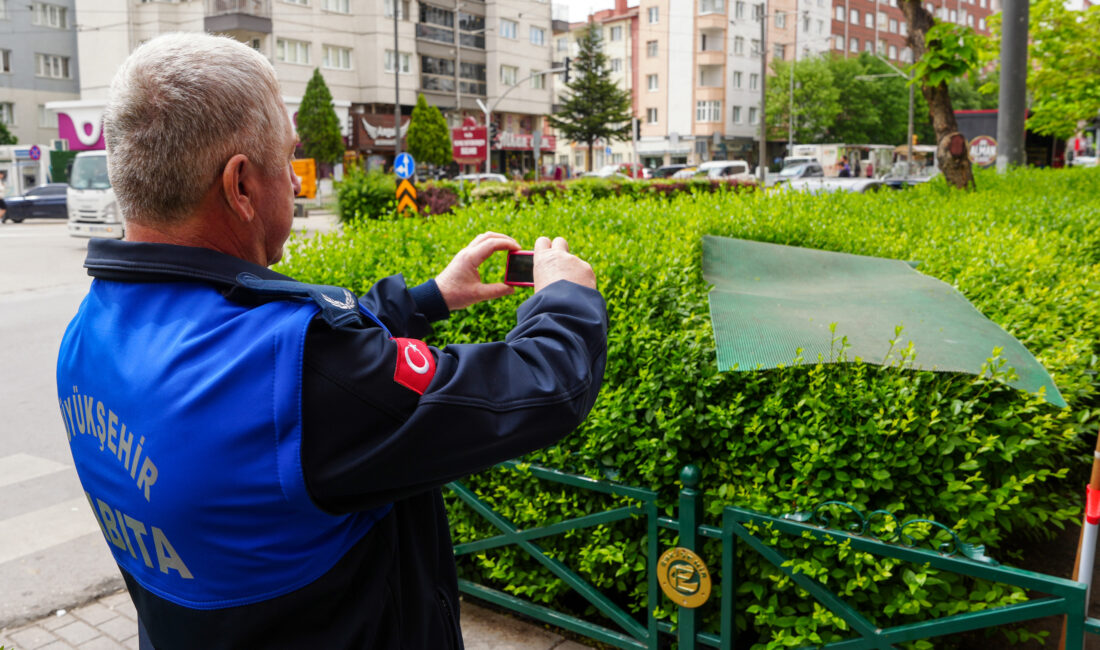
(259, 8)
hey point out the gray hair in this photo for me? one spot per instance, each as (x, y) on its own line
(180, 107)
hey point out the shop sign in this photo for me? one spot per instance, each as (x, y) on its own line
(377, 132)
(983, 150)
(469, 144)
(525, 142)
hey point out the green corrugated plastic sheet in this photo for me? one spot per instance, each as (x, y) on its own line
(770, 300)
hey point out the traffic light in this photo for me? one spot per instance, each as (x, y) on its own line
(637, 128)
(492, 133)
(565, 78)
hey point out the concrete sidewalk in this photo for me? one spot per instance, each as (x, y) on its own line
(110, 623)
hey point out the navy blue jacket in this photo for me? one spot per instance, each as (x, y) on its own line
(369, 440)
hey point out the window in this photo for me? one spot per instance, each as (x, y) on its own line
(537, 36)
(754, 47)
(853, 17)
(752, 115)
(780, 20)
(840, 13)
(651, 82)
(46, 120)
(651, 116)
(5, 60)
(739, 9)
(868, 46)
(339, 6)
(736, 114)
(806, 23)
(882, 47)
(7, 113)
(52, 66)
(754, 81)
(981, 23)
(508, 75)
(780, 51)
(288, 51)
(821, 27)
(616, 65)
(969, 20)
(893, 26)
(893, 51)
(617, 33)
(508, 28)
(954, 16)
(651, 48)
(712, 6)
(437, 74)
(869, 20)
(402, 9)
(538, 81)
(3, 9)
(563, 44)
(653, 15)
(738, 44)
(907, 55)
(736, 78)
(404, 61)
(336, 58)
(49, 15)
(708, 111)
(903, 28)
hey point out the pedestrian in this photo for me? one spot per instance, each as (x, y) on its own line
(855, 166)
(870, 169)
(3, 193)
(845, 170)
(264, 457)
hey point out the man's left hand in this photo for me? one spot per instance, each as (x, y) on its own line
(460, 283)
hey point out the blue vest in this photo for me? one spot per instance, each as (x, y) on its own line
(183, 411)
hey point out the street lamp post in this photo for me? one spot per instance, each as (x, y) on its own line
(488, 111)
(898, 73)
(763, 91)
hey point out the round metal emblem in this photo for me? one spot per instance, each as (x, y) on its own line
(684, 577)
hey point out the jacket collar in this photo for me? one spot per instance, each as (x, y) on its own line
(127, 261)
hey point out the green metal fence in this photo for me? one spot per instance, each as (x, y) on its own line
(1060, 597)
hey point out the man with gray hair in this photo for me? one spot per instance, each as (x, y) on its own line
(264, 456)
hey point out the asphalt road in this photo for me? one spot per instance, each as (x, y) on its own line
(52, 555)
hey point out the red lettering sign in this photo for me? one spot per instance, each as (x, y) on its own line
(469, 144)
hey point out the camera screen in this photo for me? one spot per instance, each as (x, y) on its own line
(520, 268)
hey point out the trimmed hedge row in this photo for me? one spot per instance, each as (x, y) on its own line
(370, 195)
(986, 460)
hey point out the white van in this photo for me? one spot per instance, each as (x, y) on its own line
(725, 170)
(93, 210)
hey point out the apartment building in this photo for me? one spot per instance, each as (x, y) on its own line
(38, 65)
(366, 66)
(880, 25)
(697, 72)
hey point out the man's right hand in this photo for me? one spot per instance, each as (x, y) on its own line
(554, 262)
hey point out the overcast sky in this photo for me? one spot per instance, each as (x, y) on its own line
(579, 9)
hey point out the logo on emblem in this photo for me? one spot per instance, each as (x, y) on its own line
(683, 577)
(418, 368)
(348, 302)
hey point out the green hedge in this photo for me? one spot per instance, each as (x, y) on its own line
(969, 452)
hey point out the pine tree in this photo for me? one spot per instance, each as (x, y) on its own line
(318, 126)
(596, 108)
(429, 139)
(6, 136)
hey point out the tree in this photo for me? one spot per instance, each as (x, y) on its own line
(6, 136)
(816, 99)
(942, 52)
(1064, 67)
(318, 126)
(429, 139)
(595, 108)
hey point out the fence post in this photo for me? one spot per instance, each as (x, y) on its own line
(691, 511)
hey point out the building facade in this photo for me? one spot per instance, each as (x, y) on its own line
(38, 65)
(372, 54)
(879, 26)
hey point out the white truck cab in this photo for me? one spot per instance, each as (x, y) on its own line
(93, 210)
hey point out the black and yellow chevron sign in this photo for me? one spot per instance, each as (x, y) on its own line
(406, 196)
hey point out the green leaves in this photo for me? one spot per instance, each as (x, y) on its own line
(1064, 63)
(429, 139)
(318, 126)
(952, 52)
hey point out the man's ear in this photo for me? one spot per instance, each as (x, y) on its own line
(238, 186)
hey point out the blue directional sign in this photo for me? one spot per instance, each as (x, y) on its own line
(404, 166)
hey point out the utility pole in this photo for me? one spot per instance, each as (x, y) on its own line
(790, 91)
(396, 86)
(458, 66)
(1011, 112)
(763, 91)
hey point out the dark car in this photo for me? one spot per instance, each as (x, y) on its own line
(667, 171)
(42, 202)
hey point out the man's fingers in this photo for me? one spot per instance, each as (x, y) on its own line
(495, 290)
(560, 243)
(542, 243)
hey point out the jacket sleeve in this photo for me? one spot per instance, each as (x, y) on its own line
(406, 312)
(369, 440)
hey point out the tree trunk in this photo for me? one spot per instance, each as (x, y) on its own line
(591, 155)
(951, 146)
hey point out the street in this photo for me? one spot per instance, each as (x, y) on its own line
(52, 554)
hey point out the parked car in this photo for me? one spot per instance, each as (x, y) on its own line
(807, 169)
(725, 170)
(1083, 161)
(665, 171)
(618, 170)
(686, 172)
(45, 201)
(482, 178)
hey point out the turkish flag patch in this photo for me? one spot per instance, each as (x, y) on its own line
(415, 365)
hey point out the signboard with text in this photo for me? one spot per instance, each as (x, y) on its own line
(469, 144)
(983, 151)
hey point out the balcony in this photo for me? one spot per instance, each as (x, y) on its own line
(236, 16)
